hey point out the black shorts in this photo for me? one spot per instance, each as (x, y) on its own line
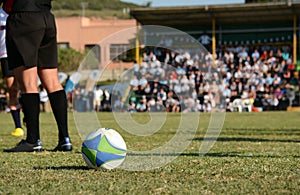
(31, 40)
(6, 72)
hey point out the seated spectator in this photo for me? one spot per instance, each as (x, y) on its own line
(278, 93)
(143, 82)
(172, 103)
(117, 104)
(189, 104)
(236, 74)
(160, 106)
(131, 107)
(243, 54)
(269, 79)
(162, 95)
(134, 83)
(255, 55)
(151, 105)
(207, 107)
(155, 88)
(264, 55)
(141, 106)
(184, 80)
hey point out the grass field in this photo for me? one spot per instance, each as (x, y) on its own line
(256, 153)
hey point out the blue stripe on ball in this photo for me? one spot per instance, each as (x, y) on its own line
(93, 143)
(103, 157)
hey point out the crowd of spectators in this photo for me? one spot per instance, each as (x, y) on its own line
(100, 99)
(187, 81)
(196, 81)
(193, 81)
(4, 99)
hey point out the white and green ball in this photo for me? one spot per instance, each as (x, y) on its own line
(104, 148)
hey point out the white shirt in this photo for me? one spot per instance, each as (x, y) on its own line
(43, 96)
(134, 82)
(204, 39)
(3, 17)
(98, 94)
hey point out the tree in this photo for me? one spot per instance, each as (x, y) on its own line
(69, 59)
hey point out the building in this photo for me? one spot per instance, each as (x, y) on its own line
(106, 38)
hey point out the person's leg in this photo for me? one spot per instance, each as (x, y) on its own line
(27, 79)
(59, 105)
(13, 91)
(14, 105)
(24, 34)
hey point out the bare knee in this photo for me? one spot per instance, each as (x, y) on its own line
(49, 79)
(52, 87)
(27, 79)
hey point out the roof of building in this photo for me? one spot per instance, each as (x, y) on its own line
(253, 13)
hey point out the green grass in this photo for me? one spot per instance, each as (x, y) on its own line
(256, 153)
(104, 14)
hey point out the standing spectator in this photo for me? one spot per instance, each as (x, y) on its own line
(3, 100)
(43, 97)
(205, 40)
(98, 93)
(106, 100)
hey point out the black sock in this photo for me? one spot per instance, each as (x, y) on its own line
(58, 101)
(31, 109)
(16, 116)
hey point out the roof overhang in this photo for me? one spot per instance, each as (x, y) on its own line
(254, 13)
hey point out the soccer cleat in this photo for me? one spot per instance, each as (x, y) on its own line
(18, 132)
(24, 146)
(64, 145)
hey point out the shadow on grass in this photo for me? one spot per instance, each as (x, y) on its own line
(296, 130)
(63, 168)
(246, 156)
(245, 139)
(229, 154)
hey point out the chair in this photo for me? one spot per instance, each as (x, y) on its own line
(237, 105)
(246, 105)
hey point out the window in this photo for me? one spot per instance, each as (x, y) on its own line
(118, 52)
(63, 45)
(95, 49)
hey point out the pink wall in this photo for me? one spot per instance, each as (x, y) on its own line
(79, 32)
